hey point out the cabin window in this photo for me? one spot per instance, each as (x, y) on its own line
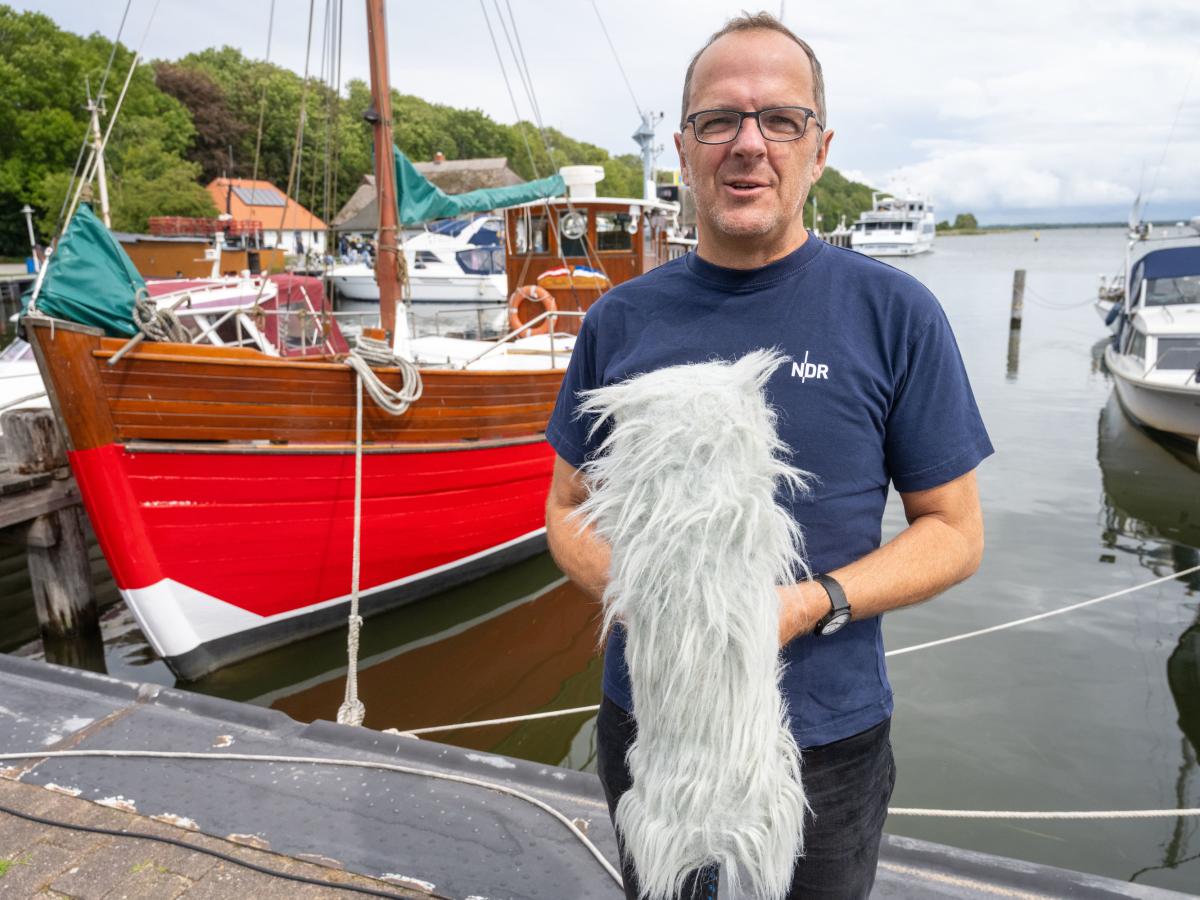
(532, 235)
(1173, 291)
(424, 258)
(1137, 344)
(481, 261)
(613, 231)
(1179, 353)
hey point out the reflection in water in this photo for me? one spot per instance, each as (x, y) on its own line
(1152, 510)
(521, 641)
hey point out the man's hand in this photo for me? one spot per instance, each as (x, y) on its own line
(800, 608)
(583, 556)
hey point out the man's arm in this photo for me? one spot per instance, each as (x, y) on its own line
(583, 556)
(942, 546)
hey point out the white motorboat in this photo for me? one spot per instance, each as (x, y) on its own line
(453, 262)
(894, 226)
(1154, 357)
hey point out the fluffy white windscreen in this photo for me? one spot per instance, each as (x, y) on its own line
(684, 490)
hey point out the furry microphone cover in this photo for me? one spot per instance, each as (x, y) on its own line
(684, 490)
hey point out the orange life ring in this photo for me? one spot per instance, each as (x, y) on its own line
(530, 293)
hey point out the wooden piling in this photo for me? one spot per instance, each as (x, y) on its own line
(42, 506)
(1018, 299)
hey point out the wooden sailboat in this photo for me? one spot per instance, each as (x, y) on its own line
(220, 480)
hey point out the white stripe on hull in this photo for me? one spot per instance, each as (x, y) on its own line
(177, 619)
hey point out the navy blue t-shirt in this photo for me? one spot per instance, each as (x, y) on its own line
(875, 392)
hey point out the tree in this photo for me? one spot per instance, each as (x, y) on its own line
(965, 222)
(45, 74)
(155, 182)
(218, 130)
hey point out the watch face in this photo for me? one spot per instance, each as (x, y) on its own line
(835, 623)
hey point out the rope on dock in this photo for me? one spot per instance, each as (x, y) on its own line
(1025, 814)
(413, 732)
(329, 761)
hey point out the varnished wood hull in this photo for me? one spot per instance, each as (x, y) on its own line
(220, 484)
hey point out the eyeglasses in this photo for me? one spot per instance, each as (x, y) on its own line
(779, 123)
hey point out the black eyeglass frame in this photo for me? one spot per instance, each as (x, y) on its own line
(743, 116)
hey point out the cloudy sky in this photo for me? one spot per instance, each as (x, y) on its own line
(1032, 110)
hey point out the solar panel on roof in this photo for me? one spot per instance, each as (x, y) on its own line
(260, 196)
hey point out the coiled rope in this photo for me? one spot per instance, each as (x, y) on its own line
(156, 323)
(368, 352)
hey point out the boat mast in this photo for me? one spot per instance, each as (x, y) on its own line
(387, 272)
(95, 108)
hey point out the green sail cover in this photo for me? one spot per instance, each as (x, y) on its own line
(420, 201)
(90, 279)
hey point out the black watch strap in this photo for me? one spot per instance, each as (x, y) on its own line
(839, 606)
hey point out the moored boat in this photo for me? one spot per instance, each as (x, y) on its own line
(894, 226)
(1154, 356)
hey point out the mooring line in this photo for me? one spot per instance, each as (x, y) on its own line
(1045, 615)
(432, 729)
(1032, 814)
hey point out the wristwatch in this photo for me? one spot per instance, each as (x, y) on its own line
(839, 607)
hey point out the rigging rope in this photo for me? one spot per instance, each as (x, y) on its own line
(262, 102)
(87, 133)
(93, 162)
(617, 58)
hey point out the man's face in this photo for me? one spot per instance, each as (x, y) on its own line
(752, 189)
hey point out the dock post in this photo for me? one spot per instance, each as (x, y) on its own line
(55, 541)
(1014, 324)
(1018, 299)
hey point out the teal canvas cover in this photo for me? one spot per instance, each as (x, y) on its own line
(418, 200)
(90, 279)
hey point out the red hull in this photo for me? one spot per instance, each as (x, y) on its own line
(195, 537)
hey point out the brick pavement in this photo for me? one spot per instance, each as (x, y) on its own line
(44, 862)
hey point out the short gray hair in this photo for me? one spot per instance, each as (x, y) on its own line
(762, 21)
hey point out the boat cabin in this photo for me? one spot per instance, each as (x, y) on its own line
(577, 247)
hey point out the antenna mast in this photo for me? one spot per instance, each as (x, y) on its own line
(645, 139)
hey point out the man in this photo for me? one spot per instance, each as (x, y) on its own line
(877, 393)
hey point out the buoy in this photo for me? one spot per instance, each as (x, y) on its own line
(530, 293)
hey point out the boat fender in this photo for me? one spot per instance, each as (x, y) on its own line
(530, 293)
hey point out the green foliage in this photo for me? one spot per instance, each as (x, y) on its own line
(838, 196)
(965, 222)
(157, 183)
(44, 73)
(187, 122)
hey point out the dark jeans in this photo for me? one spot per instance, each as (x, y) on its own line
(848, 784)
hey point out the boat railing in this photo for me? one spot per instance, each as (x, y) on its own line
(550, 316)
(441, 315)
